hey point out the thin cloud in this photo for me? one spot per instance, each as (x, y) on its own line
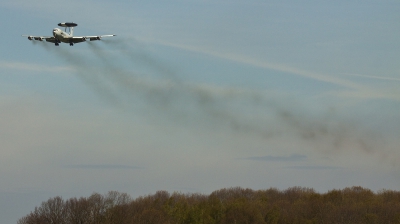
(357, 90)
(267, 65)
(102, 167)
(373, 77)
(390, 94)
(291, 158)
(313, 167)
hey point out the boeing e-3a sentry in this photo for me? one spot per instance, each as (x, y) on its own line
(62, 36)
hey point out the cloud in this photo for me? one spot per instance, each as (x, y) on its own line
(313, 167)
(373, 77)
(103, 167)
(383, 93)
(352, 89)
(267, 65)
(291, 158)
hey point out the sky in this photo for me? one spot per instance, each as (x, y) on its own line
(194, 96)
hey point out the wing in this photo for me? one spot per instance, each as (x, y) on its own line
(41, 38)
(77, 39)
(84, 38)
(92, 38)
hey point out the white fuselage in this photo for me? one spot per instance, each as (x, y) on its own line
(61, 35)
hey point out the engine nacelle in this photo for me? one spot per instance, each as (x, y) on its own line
(38, 38)
(30, 38)
(95, 38)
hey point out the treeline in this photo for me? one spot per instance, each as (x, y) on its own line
(232, 205)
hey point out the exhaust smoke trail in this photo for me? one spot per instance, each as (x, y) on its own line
(239, 110)
(85, 72)
(138, 55)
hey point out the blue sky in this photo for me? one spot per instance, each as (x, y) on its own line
(194, 96)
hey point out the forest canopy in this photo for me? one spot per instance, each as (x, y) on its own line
(228, 205)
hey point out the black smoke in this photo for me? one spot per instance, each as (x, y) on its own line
(238, 110)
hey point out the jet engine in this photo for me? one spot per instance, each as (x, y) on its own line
(95, 38)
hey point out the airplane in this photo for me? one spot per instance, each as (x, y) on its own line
(62, 36)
